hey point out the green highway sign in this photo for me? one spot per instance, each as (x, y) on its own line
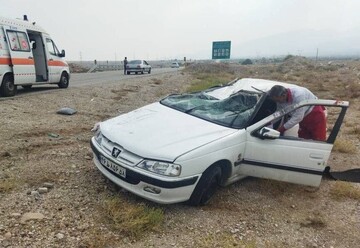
(221, 50)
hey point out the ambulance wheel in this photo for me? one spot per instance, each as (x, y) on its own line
(8, 88)
(64, 81)
(206, 186)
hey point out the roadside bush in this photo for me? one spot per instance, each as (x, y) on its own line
(344, 190)
(344, 146)
(247, 62)
(288, 57)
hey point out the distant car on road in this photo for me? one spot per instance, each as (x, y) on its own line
(175, 65)
(138, 66)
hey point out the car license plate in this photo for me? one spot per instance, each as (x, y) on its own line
(112, 166)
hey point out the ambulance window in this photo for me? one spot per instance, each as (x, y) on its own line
(52, 48)
(18, 41)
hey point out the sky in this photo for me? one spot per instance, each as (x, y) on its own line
(174, 29)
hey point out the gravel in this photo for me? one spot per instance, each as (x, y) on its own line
(49, 156)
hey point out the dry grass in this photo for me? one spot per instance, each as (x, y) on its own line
(8, 184)
(344, 146)
(208, 75)
(354, 130)
(132, 219)
(317, 221)
(353, 90)
(204, 81)
(96, 239)
(344, 190)
(223, 240)
(156, 81)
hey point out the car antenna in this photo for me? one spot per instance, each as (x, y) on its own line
(232, 82)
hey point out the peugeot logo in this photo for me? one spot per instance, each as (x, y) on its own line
(115, 152)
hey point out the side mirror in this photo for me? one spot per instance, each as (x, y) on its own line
(62, 54)
(33, 45)
(268, 133)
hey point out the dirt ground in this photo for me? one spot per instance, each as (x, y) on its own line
(41, 149)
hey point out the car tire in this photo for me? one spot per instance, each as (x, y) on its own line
(128, 72)
(64, 81)
(142, 72)
(149, 71)
(8, 88)
(206, 187)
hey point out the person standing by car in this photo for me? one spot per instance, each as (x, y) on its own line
(311, 120)
(125, 64)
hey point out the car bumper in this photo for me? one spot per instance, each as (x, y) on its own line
(136, 69)
(144, 185)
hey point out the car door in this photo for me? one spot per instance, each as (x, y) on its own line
(147, 66)
(289, 159)
(22, 60)
(54, 61)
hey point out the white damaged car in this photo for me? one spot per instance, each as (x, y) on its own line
(186, 145)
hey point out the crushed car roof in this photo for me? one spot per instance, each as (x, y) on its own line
(248, 84)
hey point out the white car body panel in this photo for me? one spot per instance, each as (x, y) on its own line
(187, 132)
(175, 65)
(142, 66)
(161, 133)
(167, 196)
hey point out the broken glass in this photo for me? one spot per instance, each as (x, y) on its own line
(233, 111)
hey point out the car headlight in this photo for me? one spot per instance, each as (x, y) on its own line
(98, 137)
(162, 168)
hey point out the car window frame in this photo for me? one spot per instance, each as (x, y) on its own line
(335, 129)
(15, 35)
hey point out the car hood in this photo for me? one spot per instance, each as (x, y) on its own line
(159, 132)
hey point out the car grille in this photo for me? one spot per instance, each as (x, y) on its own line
(124, 158)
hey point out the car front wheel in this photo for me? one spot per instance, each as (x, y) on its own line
(149, 71)
(64, 81)
(8, 88)
(206, 187)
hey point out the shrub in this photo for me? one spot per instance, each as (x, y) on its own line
(247, 62)
(344, 190)
(344, 146)
(131, 219)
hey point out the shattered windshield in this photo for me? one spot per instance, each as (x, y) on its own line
(234, 111)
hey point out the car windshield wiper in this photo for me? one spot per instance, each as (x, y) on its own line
(258, 89)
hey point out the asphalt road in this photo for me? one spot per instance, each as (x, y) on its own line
(88, 79)
(99, 78)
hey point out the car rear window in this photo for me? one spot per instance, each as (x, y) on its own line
(135, 62)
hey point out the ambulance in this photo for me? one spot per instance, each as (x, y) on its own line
(29, 56)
